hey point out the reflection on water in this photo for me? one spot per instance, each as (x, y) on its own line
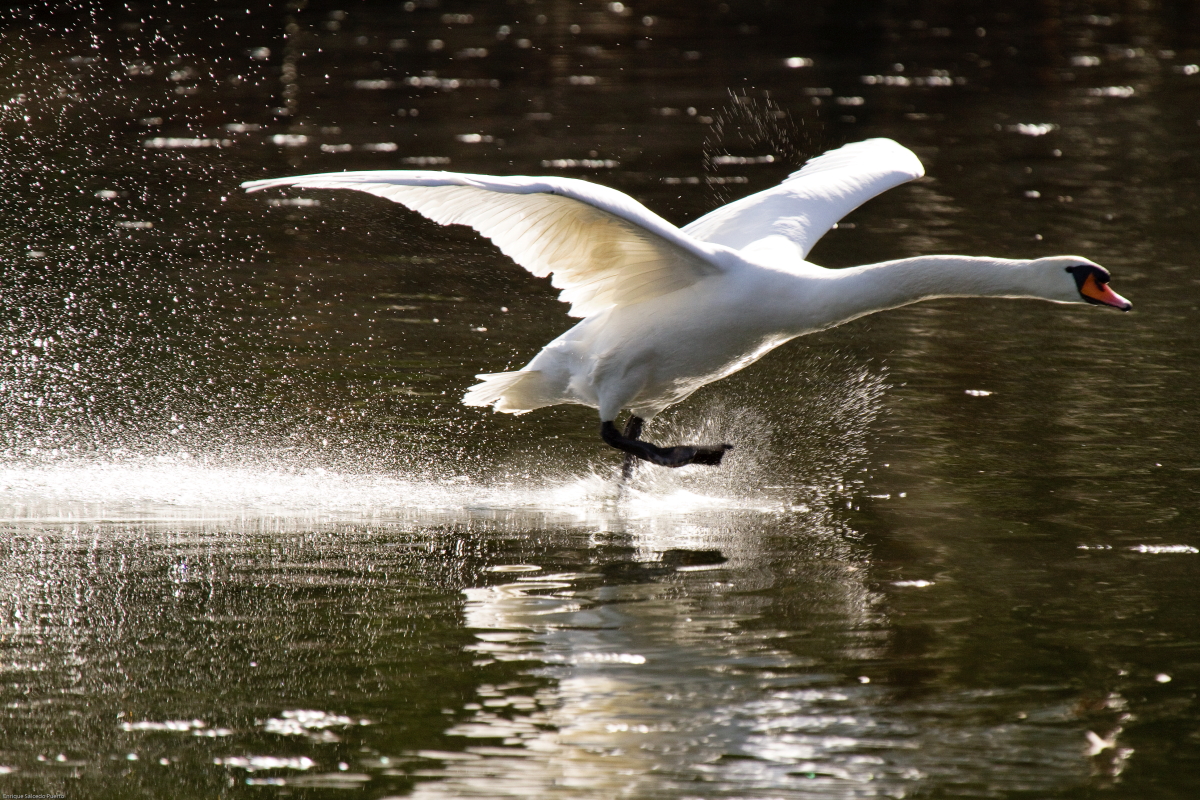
(253, 546)
(481, 653)
(655, 691)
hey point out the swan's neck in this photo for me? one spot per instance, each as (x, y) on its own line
(890, 284)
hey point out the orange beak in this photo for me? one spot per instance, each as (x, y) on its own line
(1100, 294)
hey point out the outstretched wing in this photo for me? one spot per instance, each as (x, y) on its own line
(602, 247)
(792, 216)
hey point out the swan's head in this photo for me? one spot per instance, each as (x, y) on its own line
(1077, 280)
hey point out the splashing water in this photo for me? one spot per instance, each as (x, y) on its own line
(748, 131)
(286, 483)
(171, 348)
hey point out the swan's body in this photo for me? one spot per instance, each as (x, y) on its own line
(668, 310)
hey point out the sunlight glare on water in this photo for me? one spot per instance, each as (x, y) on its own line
(179, 486)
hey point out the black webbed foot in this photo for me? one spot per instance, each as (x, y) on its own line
(710, 455)
(682, 455)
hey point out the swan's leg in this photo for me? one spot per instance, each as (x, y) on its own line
(709, 455)
(633, 429)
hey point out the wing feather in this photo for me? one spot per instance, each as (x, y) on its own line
(795, 214)
(600, 247)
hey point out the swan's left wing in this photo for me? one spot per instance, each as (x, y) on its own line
(602, 246)
(792, 216)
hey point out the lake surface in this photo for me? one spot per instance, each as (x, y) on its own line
(253, 546)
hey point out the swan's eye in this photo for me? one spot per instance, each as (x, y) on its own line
(1081, 272)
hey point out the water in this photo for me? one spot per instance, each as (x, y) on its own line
(253, 546)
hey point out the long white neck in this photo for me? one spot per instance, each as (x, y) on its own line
(857, 291)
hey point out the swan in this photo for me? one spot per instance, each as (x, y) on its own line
(666, 310)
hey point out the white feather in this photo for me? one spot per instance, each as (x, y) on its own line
(791, 217)
(602, 247)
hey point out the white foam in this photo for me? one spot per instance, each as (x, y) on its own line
(189, 490)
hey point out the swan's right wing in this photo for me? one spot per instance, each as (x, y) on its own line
(792, 216)
(601, 246)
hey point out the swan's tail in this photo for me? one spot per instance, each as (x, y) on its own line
(510, 392)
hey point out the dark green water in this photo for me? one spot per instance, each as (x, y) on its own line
(254, 547)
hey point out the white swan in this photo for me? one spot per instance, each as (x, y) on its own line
(667, 310)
